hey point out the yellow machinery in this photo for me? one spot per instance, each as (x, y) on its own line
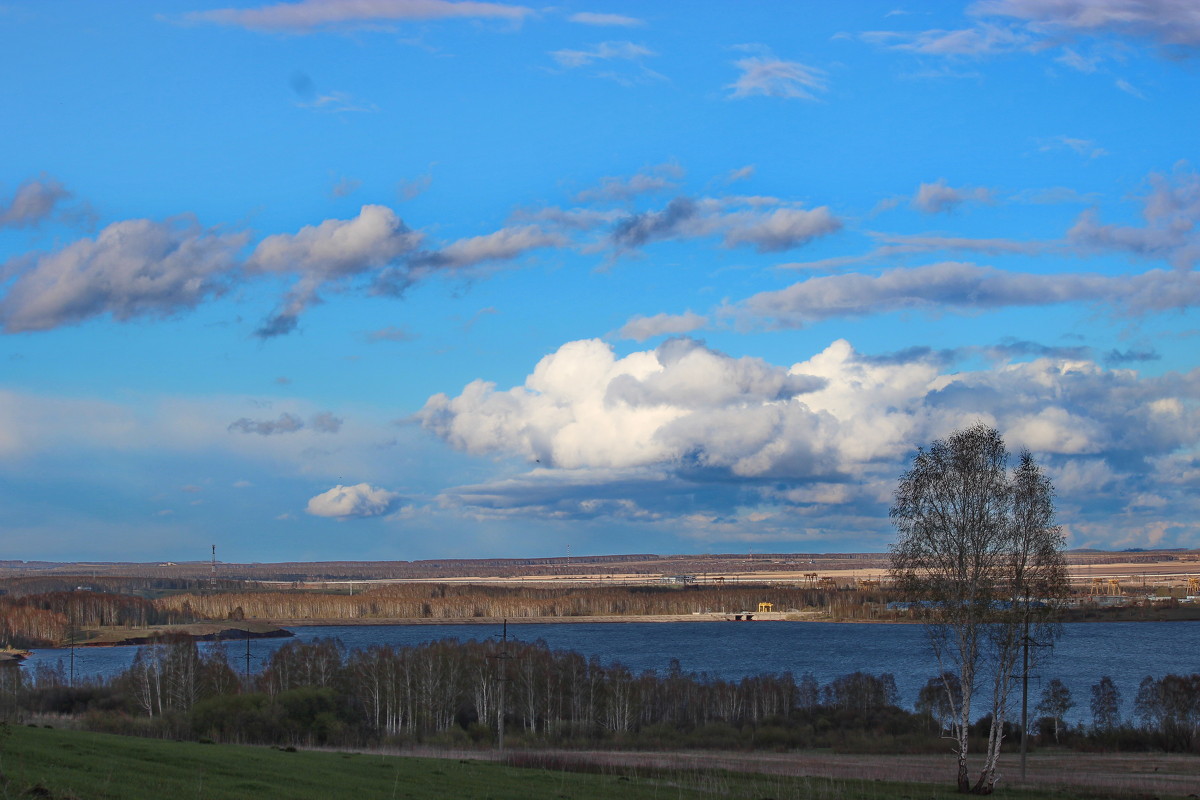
(1114, 586)
(766, 607)
(866, 584)
(826, 583)
(1193, 585)
(1097, 586)
(810, 579)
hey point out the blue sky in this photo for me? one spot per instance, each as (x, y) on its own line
(402, 279)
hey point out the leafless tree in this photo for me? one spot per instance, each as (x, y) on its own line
(1055, 703)
(979, 549)
(1106, 705)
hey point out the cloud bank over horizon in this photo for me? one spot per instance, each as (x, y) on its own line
(822, 433)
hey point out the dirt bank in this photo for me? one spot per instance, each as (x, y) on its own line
(200, 631)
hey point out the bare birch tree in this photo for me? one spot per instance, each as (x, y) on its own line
(979, 549)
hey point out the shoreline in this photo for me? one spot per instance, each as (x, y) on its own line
(265, 628)
(1190, 615)
(13, 656)
(610, 619)
(606, 619)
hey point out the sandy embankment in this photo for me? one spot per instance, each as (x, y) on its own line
(792, 616)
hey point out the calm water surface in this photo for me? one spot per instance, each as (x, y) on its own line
(1125, 651)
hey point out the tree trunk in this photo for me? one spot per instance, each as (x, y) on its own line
(964, 779)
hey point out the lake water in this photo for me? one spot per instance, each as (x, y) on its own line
(1125, 651)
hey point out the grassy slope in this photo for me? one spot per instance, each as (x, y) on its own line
(86, 766)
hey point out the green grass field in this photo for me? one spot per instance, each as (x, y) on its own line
(37, 762)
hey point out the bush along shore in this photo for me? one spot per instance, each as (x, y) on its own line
(462, 694)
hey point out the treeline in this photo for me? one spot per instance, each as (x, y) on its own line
(464, 693)
(455, 693)
(1166, 715)
(141, 586)
(452, 601)
(46, 620)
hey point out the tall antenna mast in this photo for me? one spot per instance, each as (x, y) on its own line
(214, 562)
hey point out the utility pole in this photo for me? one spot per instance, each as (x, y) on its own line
(503, 682)
(247, 658)
(71, 643)
(503, 658)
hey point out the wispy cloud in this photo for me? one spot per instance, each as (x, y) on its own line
(976, 41)
(642, 328)
(322, 422)
(965, 288)
(740, 174)
(1168, 23)
(502, 245)
(602, 20)
(34, 201)
(738, 221)
(939, 197)
(1034, 26)
(604, 51)
(1128, 88)
(764, 74)
(660, 178)
(287, 423)
(1082, 147)
(893, 246)
(339, 103)
(1171, 210)
(411, 188)
(310, 15)
(392, 333)
(344, 187)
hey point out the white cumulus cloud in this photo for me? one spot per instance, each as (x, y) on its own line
(346, 502)
(807, 450)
